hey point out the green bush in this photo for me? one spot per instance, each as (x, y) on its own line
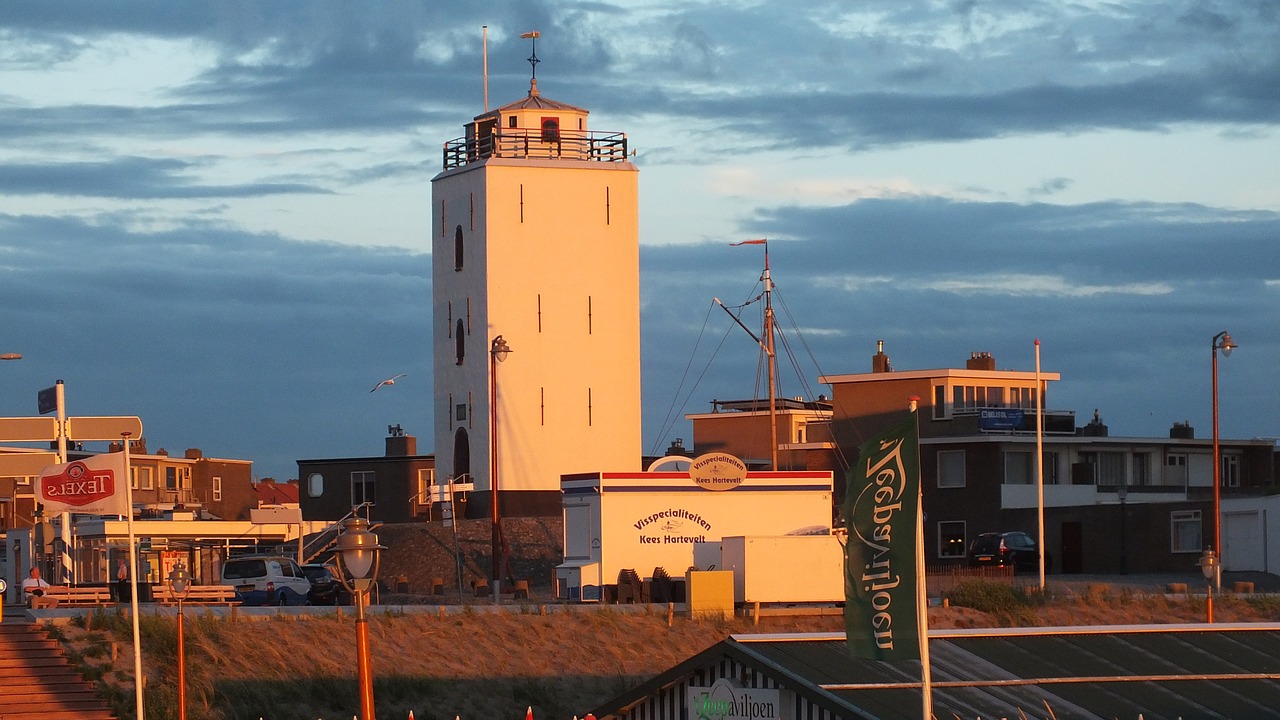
(991, 597)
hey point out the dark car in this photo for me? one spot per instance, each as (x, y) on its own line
(325, 588)
(1007, 549)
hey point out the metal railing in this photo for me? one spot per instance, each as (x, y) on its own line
(327, 538)
(517, 143)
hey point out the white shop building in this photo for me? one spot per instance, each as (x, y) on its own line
(770, 528)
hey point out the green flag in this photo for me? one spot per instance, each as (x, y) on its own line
(881, 507)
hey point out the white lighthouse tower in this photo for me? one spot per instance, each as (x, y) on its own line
(535, 250)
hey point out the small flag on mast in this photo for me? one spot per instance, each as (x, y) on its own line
(757, 241)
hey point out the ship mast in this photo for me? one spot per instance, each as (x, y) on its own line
(766, 344)
(770, 350)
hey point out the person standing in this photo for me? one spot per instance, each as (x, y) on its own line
(122, 582)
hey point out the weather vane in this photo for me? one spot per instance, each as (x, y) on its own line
(533, 59)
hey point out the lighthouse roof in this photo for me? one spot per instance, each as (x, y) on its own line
(534, 101)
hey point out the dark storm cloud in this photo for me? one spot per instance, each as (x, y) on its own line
(817, 79)
(128, 177)
(1125, 306)
(189, 327)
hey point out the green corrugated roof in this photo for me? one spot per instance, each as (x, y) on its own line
(1194, 671)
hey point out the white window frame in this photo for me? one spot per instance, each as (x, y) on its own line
(964, 540)
(143, 477)
(315, 484)
(943, 466)
(1178, 518)
(217, 488)
(1229, 473)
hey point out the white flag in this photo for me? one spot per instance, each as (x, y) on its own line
(95, 485)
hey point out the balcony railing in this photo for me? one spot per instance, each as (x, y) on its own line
(517, 143)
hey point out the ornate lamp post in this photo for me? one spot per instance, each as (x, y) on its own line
(358, 553)
(1209, 566)
(180, 584)
(497, 353)
(1222, 341)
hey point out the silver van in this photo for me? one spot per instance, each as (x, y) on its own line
(266, 580)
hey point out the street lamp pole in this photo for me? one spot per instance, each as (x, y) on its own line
(1222, 341)
(497, 353)
(180, 584)
(358, 553)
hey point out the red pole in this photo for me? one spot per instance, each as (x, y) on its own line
(182, 667)
(364, 669)
(1217, 478)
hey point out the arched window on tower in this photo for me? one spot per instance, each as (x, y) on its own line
(457, 248)
(459, 345)
(550, 129)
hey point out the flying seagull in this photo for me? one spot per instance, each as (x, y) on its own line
(388, 381)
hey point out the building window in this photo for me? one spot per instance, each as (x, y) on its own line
(950, 468)
(426, 478)
(1108, 467)
(951, 540)
(177, 478)
(457, 249)
(1230, 470)
(362, 488)
(460, 412)
(1184, 531)
(459, 347)
(315, 484)
(217, 489)
(511, 121)
(940, 402)
(1050, 460)
(1017, 468)
(1141, 469)
(1175, 469)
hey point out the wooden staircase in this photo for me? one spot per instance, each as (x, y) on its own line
(39, 682)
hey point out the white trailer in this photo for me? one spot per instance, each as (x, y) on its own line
(644, 521)
(789, 569)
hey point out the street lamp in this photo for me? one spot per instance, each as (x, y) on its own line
(497, 353)
(1222, 341)
(179, 585)
(1209, 566)
(358, 553)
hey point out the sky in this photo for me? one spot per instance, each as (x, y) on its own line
(216, 216)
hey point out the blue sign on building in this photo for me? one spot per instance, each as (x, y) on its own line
(1000, 419)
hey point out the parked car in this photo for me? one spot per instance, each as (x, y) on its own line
(266, 580)
(325, 588)
(1006, 549)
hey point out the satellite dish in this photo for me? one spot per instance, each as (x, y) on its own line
(671, 463)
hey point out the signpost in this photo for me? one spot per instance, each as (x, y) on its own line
(58, 429)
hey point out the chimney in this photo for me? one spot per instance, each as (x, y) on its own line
(981, 361)
(1182, 431)
(399, 444)
(193, 454)
(880, 361)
